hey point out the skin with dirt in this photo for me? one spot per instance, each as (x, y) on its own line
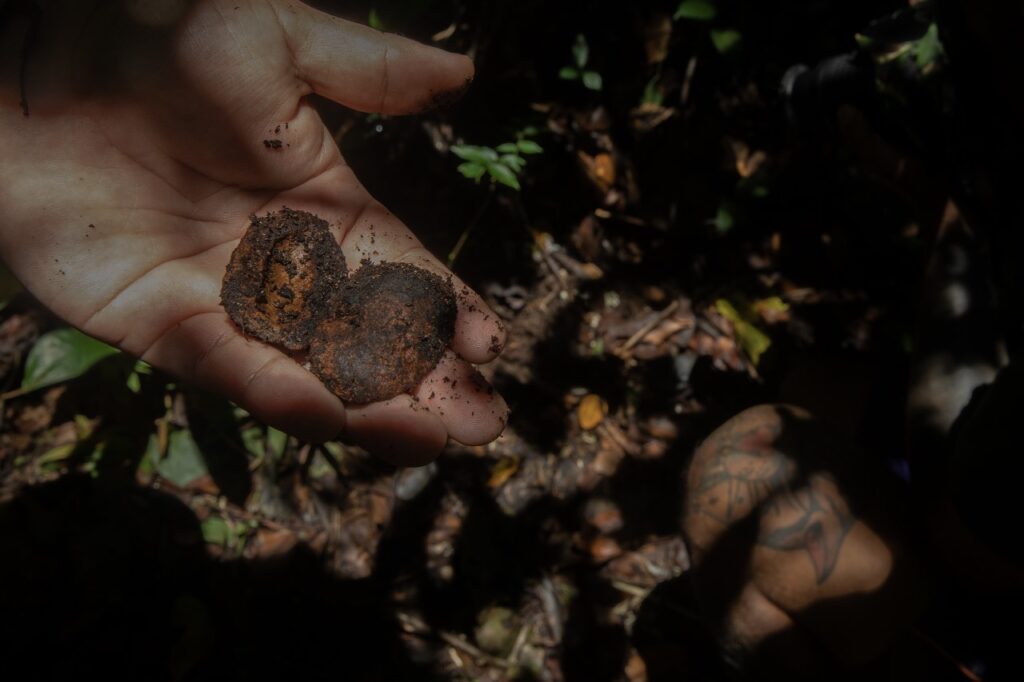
(371, 337)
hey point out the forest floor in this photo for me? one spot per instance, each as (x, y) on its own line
(676, 253)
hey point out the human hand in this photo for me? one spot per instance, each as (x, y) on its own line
(128, 185)
(799, 555)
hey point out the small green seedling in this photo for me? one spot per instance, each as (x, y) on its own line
(581, 55)
(725, 40)
(696, 10)
(503, 164)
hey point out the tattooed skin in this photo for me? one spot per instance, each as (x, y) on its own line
(738, 472)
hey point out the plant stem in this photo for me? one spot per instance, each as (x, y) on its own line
(457, 249)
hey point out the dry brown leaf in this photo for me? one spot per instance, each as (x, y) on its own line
(604, 549)
(274, 542)
(503, 469)
(600, 169)
(591, 411)
(636, 669)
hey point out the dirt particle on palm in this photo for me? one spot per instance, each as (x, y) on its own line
(391, 327)
(282, 277)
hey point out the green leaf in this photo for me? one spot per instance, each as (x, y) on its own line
(147, 464)
(529, 147)
(374, 20)
(752, 340)
(469, 152)
(581, 51)
(514, 161)
(592, 80)
(568, 73)
(503, 174)
(928, 51)
(183, 463)
(276, 441)
(216, 531)
(472, 170)
(139, 370)
(725, 220)
(772, 304)
(254, 441)
(697, 10)
(726, 40)
(62, 355)
(55, 456)
(508, 148)
(652, 94)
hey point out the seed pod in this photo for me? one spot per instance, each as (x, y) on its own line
(392, 324)
(282, 277)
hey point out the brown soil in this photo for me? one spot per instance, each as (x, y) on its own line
(371, 337)
(282, 277)
(393, 324)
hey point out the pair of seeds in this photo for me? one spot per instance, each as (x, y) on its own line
(370, 336)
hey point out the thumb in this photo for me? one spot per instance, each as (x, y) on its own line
(365, 69)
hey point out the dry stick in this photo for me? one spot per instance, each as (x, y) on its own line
(549, 604)
(517, 647)
(691, 70)
(331, 460)
(615, 433)
(465, 647)
(647, 329)
(414, 625)
(16, 393)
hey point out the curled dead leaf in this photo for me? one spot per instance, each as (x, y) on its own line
(600, 169)
(504, 469)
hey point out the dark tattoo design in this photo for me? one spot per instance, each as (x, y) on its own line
(739, 473)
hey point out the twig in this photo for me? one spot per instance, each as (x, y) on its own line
(457, 249)
(306, 454)
(932, 644)
(684, 93)
(631, 589)
(615, 433)
(331, 460)
(517, 648)
(551, 610)
(465, 647)
(555, 268)
(16, 393)
(647, 329)
(414, 625)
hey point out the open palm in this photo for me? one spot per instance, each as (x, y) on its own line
(155, 129)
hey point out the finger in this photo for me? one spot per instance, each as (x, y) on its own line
(398, 431)
(470, 409)
(365, 69)
(206, 350)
